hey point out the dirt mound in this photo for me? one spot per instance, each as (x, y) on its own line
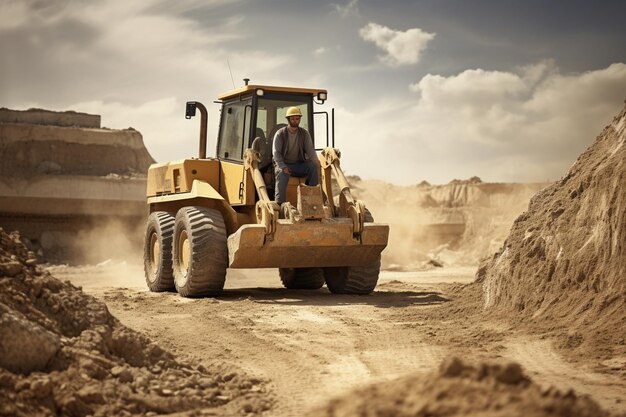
(63, 353)
(459, 389)
(563, 265)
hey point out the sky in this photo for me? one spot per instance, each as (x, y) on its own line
(435, 90)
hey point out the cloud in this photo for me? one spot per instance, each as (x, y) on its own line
(402, 48)
(161, 121)
(13, 14)
(350, 9)
(527, 124)
(135, 63)
(76, 45)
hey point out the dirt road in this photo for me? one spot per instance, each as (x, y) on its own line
(312, 345)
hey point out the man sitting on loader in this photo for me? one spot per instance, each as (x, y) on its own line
(294, 154)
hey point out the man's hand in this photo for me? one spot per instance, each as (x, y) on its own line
(287, 171)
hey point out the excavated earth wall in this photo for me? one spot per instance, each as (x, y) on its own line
(563, 264)
(51, 118)
(62, 175)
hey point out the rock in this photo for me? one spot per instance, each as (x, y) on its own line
(122, 373)
(10, 268)
(41, 388)
(207, 383)
(141, 382)
(73, 406)
(92, 369)
(24, 346)
(511, 374)
(229, 376)
(8, 409)
(7, 380)
(452, 367)
(91, 394)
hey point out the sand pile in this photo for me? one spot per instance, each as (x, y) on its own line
(459, 389)
(563, 265)
(62, 353)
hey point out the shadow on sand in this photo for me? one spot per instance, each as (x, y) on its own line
(322, 297)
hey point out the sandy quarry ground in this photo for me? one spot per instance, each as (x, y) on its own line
(312, 345)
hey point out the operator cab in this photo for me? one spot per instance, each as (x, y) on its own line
(259, 111)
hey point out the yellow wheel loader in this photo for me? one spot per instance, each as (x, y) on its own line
(211, 214)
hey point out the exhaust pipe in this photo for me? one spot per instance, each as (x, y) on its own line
(190, 111)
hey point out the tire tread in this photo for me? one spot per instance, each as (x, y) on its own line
(163, 223)
(209, 253)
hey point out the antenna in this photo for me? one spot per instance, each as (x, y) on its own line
(231, 74)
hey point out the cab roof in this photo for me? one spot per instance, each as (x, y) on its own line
(271, 88)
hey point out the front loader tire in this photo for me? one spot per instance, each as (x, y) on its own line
(353, 279)
(302, 278)
(157, 253)
(200, 252)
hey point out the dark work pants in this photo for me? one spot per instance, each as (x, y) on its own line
(300, 169)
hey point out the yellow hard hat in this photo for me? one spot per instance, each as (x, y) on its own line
(293, 111)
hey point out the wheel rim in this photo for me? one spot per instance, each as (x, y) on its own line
(184, 255)
(155, 253)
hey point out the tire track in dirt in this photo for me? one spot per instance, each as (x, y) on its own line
(313, 345)
(336, 351)
(310, 345)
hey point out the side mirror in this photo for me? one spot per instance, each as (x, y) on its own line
(190, 109)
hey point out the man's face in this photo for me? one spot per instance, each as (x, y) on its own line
(294, 121)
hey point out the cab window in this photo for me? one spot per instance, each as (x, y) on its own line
(273, 113)
(234, 126)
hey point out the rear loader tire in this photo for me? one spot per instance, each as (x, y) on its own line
(157, 253)
(302, 278)
(200, 252)
(353, 279)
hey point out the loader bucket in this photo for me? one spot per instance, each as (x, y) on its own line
(307, 244)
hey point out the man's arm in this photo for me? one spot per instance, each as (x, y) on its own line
(278, 144)
(309, 149)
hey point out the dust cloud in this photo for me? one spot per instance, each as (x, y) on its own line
(455, 224)
(113, 240)
(110, 254)
(91, 241)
